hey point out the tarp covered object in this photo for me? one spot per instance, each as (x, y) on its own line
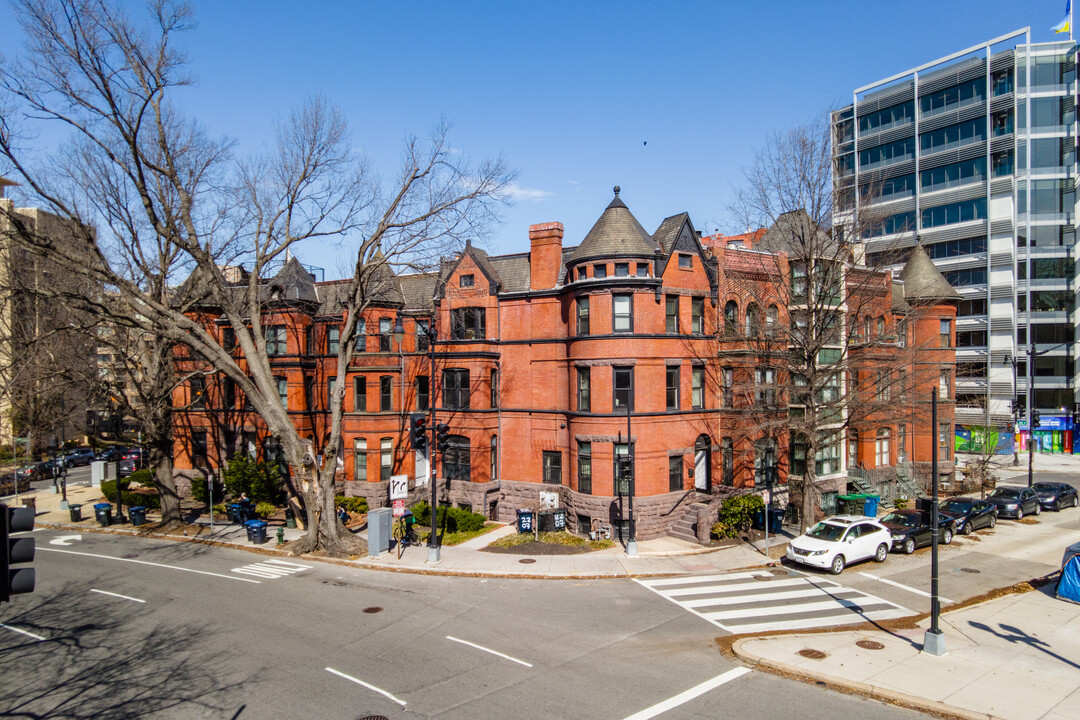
(1068, 587)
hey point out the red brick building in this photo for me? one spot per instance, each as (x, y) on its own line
(549, 365)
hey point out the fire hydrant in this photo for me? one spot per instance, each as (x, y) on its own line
(281, 536)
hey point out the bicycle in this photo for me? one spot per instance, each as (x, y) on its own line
(405, 532)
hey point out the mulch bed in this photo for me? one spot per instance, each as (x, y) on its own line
(539, 548)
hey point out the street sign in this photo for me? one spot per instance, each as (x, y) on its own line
(399, 487)
(399, 508)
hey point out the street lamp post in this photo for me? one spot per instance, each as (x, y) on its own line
(631, 542)
(934, 639)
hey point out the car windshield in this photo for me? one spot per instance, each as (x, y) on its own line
(1005, 493)
(826, 531)
(957, 506)
(900, 519)
(1045, 487)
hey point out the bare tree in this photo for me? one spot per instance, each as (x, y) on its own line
(822, 320)
(172, 201)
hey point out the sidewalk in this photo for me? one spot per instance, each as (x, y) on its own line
(662, 556)
(1016, 657)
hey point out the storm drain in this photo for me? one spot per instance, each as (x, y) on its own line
(813, 654)
(870, 645)
(373, 717)
(372, 610)
(526, 561)
(973, 571)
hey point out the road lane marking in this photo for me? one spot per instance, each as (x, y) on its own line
(21, 632)
(152, 564)
(116, 595)
(271, 569)
(904, 587)
(488, 650)
(358, 681)
(64, 540)
(684, 579)
(688, 695)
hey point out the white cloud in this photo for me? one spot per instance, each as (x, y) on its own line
(518, 193)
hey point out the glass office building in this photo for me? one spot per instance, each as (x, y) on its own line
(974, 156)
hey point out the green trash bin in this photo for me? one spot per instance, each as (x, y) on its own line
(290, 518)
(76, 512)
(849, 504)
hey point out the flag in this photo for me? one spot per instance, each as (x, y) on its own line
(1065, 25)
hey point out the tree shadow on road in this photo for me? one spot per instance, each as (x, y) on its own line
(93, 664)
(1016, 635)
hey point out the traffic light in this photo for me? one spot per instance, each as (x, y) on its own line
(418, 432)
(1076, 417)
(15, 550)
(442, 437)
(1018, 408)
(1035, 419)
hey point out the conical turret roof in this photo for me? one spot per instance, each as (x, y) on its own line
(923, 281)
(617, 232)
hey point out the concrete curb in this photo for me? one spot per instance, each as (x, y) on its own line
(893, 697)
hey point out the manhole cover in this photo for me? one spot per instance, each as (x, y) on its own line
(372, 610)
(526, 561)
(763, 577)
(130, 556)
(973, 571)
(813, 654)
(870, 645)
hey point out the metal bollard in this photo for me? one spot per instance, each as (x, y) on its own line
(281, 536)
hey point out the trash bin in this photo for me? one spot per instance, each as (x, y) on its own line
(256, 531)
(137, 514)
(290, 518)
(547, 521)
(525, 521)
(776, 520)
(560, 519)
(76, 512)
(103, 514)
(870, 509)
(757, 521)
(234, 512)
(850, 504)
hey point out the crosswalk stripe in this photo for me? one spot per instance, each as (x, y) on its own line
(271, 569)
(783, 603)
(684, 580)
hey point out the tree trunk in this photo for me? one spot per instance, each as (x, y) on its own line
(161, 461)
(324, 531)
(809, 492)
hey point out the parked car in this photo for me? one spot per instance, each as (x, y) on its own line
(50, 468)
(838, 541)
(132, 459)
(1054, 495)
(111, 454)
(969, 514)
(79, 457)
(1014, 502)
(913, 529)
(27, 473)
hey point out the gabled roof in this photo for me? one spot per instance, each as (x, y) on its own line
(616, 233)
(381, 285)
(799, 236)
(923, 281)
(294, 283)
(447, 268)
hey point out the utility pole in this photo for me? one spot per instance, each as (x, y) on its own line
(934, 639)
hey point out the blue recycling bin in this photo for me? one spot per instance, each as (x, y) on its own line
(137, 514)
(103, 514)
(776, 520)
(870, 509)
(234, 512)
(525, 521)
(757, 521)
(256, 531)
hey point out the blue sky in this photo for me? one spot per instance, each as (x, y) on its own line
(570, 93)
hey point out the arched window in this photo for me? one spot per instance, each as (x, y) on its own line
(881, 327)
(866, 328)
(882, 456)
(772, 321)
(753, 320)
(731, 318)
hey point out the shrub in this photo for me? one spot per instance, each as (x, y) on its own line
(261, 481)
(735, 515)
(146, 499)
(900, 503)
(199, 491)
(143, 477)
(265, 510)
(454, 519)
(356, 505)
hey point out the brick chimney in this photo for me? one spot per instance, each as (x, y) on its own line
(545, 255)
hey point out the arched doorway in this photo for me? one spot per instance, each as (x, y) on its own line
(702, 449)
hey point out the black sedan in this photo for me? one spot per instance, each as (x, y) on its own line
(1014, 502)
(1054, 496)
(969, 514)
(911, 529)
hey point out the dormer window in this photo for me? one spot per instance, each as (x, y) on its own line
(599, 271)
(466, 281)
(686, 262)
(582, 272)
(622, 269)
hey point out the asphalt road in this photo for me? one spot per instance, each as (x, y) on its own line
(143, 628)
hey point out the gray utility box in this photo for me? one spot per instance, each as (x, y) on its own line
(101, 470)
(378, 532)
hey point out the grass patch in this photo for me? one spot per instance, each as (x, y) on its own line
(563, 538)
(601, 544)
(456, 538)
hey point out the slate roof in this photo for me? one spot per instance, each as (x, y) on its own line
(668, 232)
(295, 283)
(514, 271)
(923, 281)
(616, 233)
(796, 234)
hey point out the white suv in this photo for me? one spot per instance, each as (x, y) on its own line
(834, 542)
